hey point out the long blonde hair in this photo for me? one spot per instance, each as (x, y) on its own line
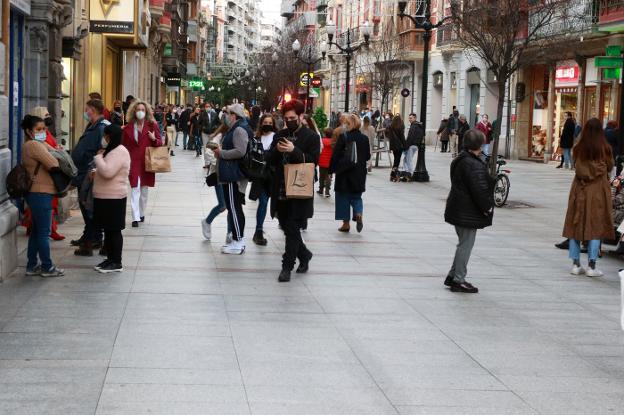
(149, 113)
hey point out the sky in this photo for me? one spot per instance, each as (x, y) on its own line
(270, 9)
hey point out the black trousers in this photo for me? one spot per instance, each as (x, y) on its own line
(113, 243)
(92, 232)
(234, 201)
(444, 146)
(295, 248)
(325, 180)
(397, 158)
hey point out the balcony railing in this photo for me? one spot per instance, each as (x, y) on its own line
(446, 35)
(577, 17)
(610, 11)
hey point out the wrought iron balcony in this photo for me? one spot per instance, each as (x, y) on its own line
(610, 12)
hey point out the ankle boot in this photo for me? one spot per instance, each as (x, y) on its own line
(86, 249)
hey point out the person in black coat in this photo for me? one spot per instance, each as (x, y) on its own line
(469, 206)
(295, 144)
(566, 141)
(350, 177)
(395, 134)
(184, 124)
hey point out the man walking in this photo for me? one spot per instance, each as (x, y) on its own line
(415, 136)
(470, 206)
(184, 124)
(566, 141)
(207, 119)
(452, 127)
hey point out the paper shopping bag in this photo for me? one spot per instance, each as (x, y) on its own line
(157, 160)
(299, 180)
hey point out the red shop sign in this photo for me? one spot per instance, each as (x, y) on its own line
(567, 74)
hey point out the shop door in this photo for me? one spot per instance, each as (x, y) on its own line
(475, 95)
(16, 81)
(112, 77)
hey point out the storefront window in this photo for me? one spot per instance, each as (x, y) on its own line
(566, 102)
(66, 104)
(538, 132)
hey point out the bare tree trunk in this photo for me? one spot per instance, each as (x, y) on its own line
(499, 117)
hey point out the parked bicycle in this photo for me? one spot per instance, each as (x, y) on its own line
(502, 184)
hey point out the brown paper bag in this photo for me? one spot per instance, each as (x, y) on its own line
(157, 160)
(299, 180)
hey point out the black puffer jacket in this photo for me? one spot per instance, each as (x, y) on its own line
(470, 202)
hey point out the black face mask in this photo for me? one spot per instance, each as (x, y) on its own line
(49, 122)
(118, 109)
(265, 128)
(292, 125)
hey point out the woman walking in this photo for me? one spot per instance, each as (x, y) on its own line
(369, 131)
(211, 163)
(261, 187)
(350, 176)
(140, 133)
(325, 177)
(37, 160)
(443, 135)
(110, 192)
(396, 135)
(589, 216)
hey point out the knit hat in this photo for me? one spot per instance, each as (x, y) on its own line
(237, 109)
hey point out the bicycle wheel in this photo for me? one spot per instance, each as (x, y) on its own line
(501, 190)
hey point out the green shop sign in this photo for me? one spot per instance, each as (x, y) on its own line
(196, 84)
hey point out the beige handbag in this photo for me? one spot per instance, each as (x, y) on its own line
(299, 180)
(157, 160)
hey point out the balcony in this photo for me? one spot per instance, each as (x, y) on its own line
(611, 15)
(156, 8)
(577, 18)
(446, 36)
(164, 24)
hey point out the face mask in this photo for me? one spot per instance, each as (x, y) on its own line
(140, 115)
(48, 121)
(118, 109)
(267, 128)
(292, 125)
(85, 115)
(104, 143)
(227, 121)
(41, 136)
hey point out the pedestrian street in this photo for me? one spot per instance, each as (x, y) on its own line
(370, 329)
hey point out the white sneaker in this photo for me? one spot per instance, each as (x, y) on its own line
(206, 229)
(235, 248)
(577, 270)
(593, 272)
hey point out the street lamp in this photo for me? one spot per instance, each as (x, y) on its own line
(422, 20)
(296, 47)
(348, 50)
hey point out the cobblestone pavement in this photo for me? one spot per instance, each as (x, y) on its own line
(370, 330)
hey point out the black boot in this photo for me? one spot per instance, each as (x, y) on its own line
(86, 249)
(259, 238)
(304, 264)
(284, 276)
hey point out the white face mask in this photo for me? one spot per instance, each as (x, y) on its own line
(104, 143)
(41, 136)
(140, 115)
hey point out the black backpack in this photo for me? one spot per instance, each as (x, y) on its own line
(254, 164)
(19, 182)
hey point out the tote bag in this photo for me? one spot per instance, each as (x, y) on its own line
(157, 160)
(299, 180)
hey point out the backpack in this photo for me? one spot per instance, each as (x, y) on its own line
(254, 164)
(19, 182)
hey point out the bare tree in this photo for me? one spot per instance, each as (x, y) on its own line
(510, 34)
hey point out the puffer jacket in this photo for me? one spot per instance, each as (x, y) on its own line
(470, 202)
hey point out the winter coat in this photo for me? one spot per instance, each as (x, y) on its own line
(208, 121)
(612, 136)
(589, 214)
(463, 129)
(354, 179)
(470, 202)
(396, 138)
(567, 134)
(415, 135)
(486, 129)
(452, 125)
(307, 148)
(87, 148)
(442, 130)
(137, 152)
(183, 121)
(326, 154)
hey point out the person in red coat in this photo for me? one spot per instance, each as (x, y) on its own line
(325, 178)
(140, 132)
(486, 128)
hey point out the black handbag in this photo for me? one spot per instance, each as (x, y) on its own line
(212, 180)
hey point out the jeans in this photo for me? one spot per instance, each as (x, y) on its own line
(295, 247)
(485, 149)
(408, 158)
(220, 208)
(346, 201)
(566, 158)
(198, 144)
(459, 270)
(185, 136)
(38, 242)
(263, 202)
(593, 246)
(234, 203)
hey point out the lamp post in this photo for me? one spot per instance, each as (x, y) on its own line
(422, 20)
(348, 50)
(296, 47)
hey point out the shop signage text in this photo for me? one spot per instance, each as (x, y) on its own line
(173, 80)
(567, 74)
(103, 26)
(316, 82)
(196, 83)
(305, 77)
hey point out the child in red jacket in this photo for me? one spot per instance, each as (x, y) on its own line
(325, 178)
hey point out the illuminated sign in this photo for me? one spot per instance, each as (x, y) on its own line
(196, 84)
(316, 82)
(305, 77)
(567, 74)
